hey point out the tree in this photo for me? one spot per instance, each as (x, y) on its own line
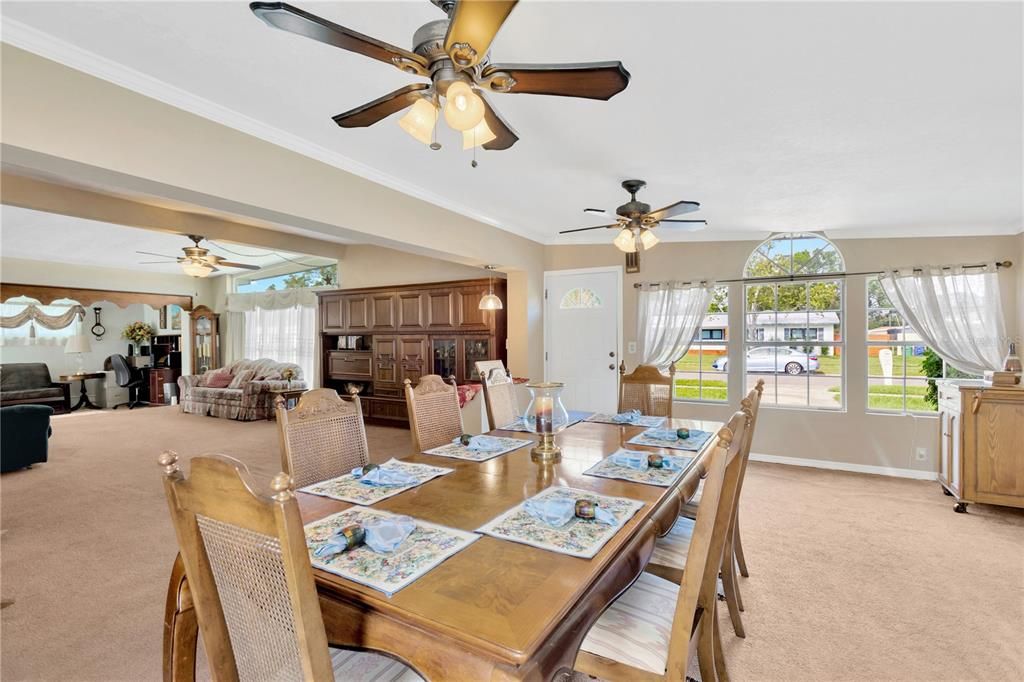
(326, 275)
(719, 300)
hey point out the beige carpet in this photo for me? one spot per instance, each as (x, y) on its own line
(852, 577)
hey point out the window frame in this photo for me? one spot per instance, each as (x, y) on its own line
(699, 343)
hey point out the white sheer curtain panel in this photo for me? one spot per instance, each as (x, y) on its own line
(284, 335)
(956, 311)
(669, 315)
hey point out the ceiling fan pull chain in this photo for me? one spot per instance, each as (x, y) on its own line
(473, 163)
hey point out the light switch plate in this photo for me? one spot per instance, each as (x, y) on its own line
(631, 346)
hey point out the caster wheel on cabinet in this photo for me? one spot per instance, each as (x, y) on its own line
(947, 493)
(960, 508)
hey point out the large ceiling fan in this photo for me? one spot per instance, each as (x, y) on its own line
(635, 220)
(197, 261)
(453, 54)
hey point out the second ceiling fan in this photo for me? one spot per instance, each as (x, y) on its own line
(453, 54)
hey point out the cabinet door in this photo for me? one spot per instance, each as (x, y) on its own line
(955, 438)
(444, 356)
(384, 316)
(356, 313)
(944, 452)
(440, 308)
(474, 349)
(330, 313)
(470, 317)
(412, 357)
(410, 310)
(385, 353)
(994, 450)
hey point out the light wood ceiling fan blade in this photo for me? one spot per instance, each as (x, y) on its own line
(594, 80)
(243, 266)
(473, 26)
(161, 255)
(156, 262)
(505, 136)
(678, 208)
(382, 107)
(584, 229)
(294, 20)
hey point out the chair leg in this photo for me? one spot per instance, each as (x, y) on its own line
(737, 546)
(706, 646)
(729, 587)
(720, 669)
(736, 587)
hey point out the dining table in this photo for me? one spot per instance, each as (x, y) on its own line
(497, 610)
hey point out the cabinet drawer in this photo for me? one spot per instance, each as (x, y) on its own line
(387, 390)
(349, 364)
(949, 398)
(388, 409)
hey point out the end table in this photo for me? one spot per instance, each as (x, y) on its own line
(83, 398)
(289, 395)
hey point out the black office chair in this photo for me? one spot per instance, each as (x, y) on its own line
(128, 377)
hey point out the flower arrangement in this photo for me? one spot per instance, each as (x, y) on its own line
(288, 374)
(138, 332)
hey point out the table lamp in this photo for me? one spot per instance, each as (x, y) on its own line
(78, 344)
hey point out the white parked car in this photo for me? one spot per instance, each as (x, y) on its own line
(765, 359)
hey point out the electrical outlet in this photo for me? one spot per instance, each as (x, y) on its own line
(921, 454)
(631, 346)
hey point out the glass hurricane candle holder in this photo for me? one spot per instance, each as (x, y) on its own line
(545, 416)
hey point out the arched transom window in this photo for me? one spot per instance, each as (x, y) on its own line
(580, 297)
(794, 254)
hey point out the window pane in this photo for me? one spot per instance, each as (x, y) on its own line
(701, 374)
(794, 254)
(792, 297)
(918, 394)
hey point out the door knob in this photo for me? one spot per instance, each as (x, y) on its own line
(612, 354)
(611, 366)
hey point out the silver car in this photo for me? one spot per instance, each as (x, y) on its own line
(770, 359)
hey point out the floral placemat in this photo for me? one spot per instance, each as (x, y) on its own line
(519, 425)
(422, 551)
(347, 488)
(459, 451)
(607, 468)
(577, 538)
(645, 421)
(694, 443)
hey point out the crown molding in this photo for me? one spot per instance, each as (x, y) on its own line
(32, 40)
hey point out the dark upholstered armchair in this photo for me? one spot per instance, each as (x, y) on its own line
(29, 383)
(24, 434)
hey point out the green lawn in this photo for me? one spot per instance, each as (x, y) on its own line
(827, 364)
(891, 398)
(689, 389)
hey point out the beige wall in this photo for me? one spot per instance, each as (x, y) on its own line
(852, 436)
(127, 144)
(365, 265)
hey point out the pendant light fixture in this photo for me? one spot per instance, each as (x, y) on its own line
(490, 300)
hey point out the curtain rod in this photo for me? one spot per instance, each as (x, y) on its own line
(796, 278)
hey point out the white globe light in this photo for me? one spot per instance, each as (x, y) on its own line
(463, 109)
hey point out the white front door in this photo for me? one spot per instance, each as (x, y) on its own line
(582, 335)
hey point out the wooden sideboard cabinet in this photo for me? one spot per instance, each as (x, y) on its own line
(376, 338)
(981, 443)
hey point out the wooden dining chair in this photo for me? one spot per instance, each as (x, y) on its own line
(322, 437)
(637, 637)
(669, 552)
(647, 389)
(500, 399)
(434, 414)
(250, 578)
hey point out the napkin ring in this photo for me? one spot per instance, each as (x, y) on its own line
(586, 509)
(655, 461)
(354, 536)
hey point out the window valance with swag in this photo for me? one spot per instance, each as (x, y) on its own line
(50, 317)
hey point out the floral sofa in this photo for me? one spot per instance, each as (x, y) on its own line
(248, 397)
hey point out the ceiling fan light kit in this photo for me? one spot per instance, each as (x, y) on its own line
(420, 120)
(196, 269)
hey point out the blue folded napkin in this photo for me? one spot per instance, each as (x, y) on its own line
(384, 477)
(383, 534)
(631, 459)
(556, 512)
(481, 443)
(626, 417)
(662, 434)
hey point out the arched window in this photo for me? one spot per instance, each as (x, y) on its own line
(580, 297)
(794, 338)
(794, 254)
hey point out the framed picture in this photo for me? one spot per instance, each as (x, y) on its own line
(170, 317)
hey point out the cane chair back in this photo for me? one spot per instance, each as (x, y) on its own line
(434, 414)
(322, 437)
(248, 572)
(500, 399)
(646, 389)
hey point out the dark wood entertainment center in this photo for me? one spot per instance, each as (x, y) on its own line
(376, 338)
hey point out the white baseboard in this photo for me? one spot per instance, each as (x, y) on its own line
(846, 466)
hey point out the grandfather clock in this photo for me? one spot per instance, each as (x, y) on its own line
(205, 339)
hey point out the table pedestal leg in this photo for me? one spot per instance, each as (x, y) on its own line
(83, 400)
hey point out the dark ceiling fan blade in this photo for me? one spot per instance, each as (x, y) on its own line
(294, 20)
(161, 255)
(599, 211)
(382, 107)
(243, 266)
(584, 229)
(678, 208)
(594, 80)
(683, 221)
(473, 26)
(506, 136)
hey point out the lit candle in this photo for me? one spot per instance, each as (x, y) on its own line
(545, 411)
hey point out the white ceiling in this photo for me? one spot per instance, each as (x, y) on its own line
(87, 242)
(860, 119)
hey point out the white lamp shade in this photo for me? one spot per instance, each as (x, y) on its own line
(491, 302)
(419, 120)
(626, 241)
(463, 109)
(78, 344)
(648, 238)
(481, 134)
(196, 269)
